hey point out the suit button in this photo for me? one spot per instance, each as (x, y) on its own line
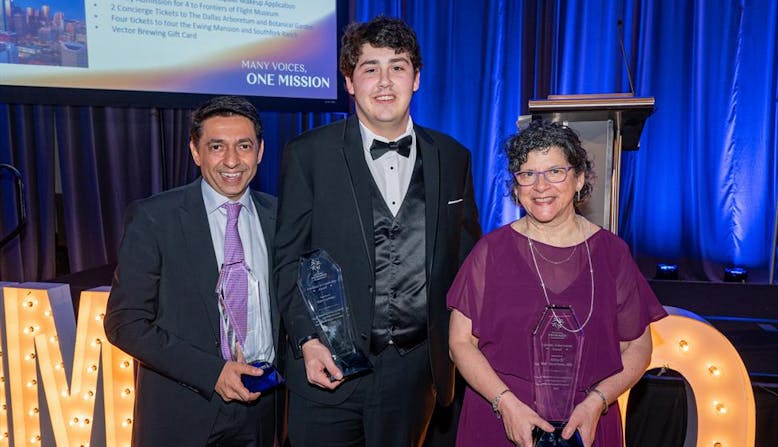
(363, 335)
(370, 289)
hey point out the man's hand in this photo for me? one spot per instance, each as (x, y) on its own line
(319, 365)
(229, 385)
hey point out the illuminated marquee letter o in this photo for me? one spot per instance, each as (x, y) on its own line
(724, 413)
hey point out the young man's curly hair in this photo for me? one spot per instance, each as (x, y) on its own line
(381, 32)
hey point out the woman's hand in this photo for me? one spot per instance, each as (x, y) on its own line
(635, 356)
(584, 418)
(519, 420)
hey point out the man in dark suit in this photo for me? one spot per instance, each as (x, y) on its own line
(398, 219)
(164, 310)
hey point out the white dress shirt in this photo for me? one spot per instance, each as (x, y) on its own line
(392, 172)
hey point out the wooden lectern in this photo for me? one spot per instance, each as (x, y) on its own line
(606, 124)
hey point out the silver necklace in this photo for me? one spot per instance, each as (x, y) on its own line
(572, 252)
(558, 321)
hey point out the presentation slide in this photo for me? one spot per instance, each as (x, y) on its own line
(275, 48)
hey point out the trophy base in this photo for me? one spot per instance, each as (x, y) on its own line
(267, 381)
(353, 363)
(554, 439)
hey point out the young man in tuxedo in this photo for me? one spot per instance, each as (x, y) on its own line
(392, 203)
(164, 309)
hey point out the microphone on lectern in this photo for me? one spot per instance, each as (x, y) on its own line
(620, 25)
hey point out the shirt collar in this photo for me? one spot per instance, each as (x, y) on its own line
(368, 136)
(213, 200)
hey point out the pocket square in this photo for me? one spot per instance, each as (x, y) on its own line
(451, 202)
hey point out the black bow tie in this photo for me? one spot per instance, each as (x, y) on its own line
(402, 146)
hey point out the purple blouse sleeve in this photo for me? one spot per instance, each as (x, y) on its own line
(637, 305)
(467, 291)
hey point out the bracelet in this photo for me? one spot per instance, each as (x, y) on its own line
(496, 402)
(604, 400)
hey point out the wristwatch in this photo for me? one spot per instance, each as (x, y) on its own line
(306, 339)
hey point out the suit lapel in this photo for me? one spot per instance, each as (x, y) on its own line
(360, 184)
(267, 219)
(431, 167)
(197, 237)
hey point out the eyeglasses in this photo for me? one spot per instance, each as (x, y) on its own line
(553, 175)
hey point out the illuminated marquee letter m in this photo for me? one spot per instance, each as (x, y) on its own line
(40, 328)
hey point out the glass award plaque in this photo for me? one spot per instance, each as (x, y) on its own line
(270, 379)
(236, 337)
(321, 285)
(557, 346)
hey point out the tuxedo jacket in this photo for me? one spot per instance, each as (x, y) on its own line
(325, 202)
(163, 311)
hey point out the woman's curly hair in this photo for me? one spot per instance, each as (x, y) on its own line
(541, 135)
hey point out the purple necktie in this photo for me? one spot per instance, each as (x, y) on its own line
(236, 283)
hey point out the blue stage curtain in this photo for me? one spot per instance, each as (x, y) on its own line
(27, 143)
(701, 191)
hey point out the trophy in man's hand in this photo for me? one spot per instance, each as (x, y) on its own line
(557, 345)
(321, 285)
(237, 332)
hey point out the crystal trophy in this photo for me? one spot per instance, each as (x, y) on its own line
(239, 351)
(321, 285)
(557, 345)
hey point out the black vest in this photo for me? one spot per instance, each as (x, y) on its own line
(400, 315)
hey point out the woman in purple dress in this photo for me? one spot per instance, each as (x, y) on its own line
(550, 257)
